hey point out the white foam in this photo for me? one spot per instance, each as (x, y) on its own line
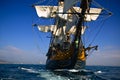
(98, 72)
(29, 70)
(73, 70)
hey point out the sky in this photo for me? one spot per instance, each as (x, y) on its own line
(20, 43)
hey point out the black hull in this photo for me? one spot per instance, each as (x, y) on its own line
(64, 64)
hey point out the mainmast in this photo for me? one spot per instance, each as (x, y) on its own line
(77, 40)
(84, 7)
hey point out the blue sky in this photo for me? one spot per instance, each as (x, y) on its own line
(20, 44)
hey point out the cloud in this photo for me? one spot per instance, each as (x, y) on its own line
(10, 50)
(109, 56)
(15, 55)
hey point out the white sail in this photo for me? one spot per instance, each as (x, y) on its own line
(92, 15)
(53, 29)
(63, 37)
(49, 11)
(60, 10)
(59, 31)
(46, 11)
(73, 30)
(46, 28)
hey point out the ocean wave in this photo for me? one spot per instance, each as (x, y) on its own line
(38, 72)
(98, 72)
(29, 70)
(7, 79)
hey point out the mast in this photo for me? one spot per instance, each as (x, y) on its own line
(77, 40)
(84, 7)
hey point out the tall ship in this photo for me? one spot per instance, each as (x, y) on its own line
(68, 22)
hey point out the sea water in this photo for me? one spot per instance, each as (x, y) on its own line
(38, 72)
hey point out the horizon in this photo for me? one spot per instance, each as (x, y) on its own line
(7, 63)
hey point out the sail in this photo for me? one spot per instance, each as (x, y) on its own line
(59, 31)
(49, 28)
(73, 30)
(50, 11)
(53, 29)
(44, 8)
(60, 10)
(68, 4)
(93, 13)
(52, 18)
(45, 11)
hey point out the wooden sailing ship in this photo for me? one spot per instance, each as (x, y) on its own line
(66, 20)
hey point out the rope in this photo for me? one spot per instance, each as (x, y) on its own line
(34, 37)
(102, 7)
(99, 30)
(35, 40)
(41, 1)
(89, 53)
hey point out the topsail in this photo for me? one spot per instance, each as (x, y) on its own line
(50, 12)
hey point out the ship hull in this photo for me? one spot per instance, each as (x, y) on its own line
(64, 64)
(66, 59)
